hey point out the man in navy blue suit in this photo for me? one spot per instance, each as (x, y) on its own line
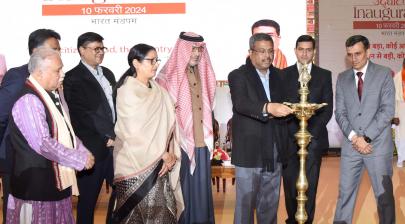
(12, 84)
(320, 88)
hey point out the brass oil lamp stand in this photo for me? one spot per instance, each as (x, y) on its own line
(303, 111)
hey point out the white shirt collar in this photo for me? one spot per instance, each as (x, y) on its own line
(91, 69)
(363, 70)
(309, 67)
(266, 75)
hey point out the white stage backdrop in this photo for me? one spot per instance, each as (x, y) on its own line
(225, 26)
(382, 21)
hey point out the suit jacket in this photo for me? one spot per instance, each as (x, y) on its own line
(372, 116)
(320, 91)
(254, 135)
(90, 113)
(12, 84)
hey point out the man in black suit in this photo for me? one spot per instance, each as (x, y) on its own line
(12, 84)
(88, 89)
(320, 87)
(259, 137)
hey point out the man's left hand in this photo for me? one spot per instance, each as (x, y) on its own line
(110, 143)
(395, 121)
(362, 146)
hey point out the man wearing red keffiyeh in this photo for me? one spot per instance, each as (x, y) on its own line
(189, 78)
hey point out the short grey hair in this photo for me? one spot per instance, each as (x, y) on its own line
(259, 37)
(39, 56)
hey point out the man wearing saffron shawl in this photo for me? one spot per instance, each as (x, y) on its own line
(189, 78)
(272, 28)
(46, 150)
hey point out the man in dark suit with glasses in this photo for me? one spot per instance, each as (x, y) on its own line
(88, 89)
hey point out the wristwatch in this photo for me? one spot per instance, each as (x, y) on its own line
(367, 139)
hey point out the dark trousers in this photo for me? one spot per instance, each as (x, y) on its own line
(196, 189)
(290, 176)
(90, 183)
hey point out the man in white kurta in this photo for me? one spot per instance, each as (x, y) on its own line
(399, 120)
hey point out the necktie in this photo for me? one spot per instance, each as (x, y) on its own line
(359, 84)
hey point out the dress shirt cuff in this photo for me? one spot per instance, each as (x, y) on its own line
(352, 133)
(264, 110)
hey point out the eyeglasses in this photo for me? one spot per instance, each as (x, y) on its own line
(153, 61)
(264, 51)
(97, 49)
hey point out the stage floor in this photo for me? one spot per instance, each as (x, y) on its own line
(365, 212)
